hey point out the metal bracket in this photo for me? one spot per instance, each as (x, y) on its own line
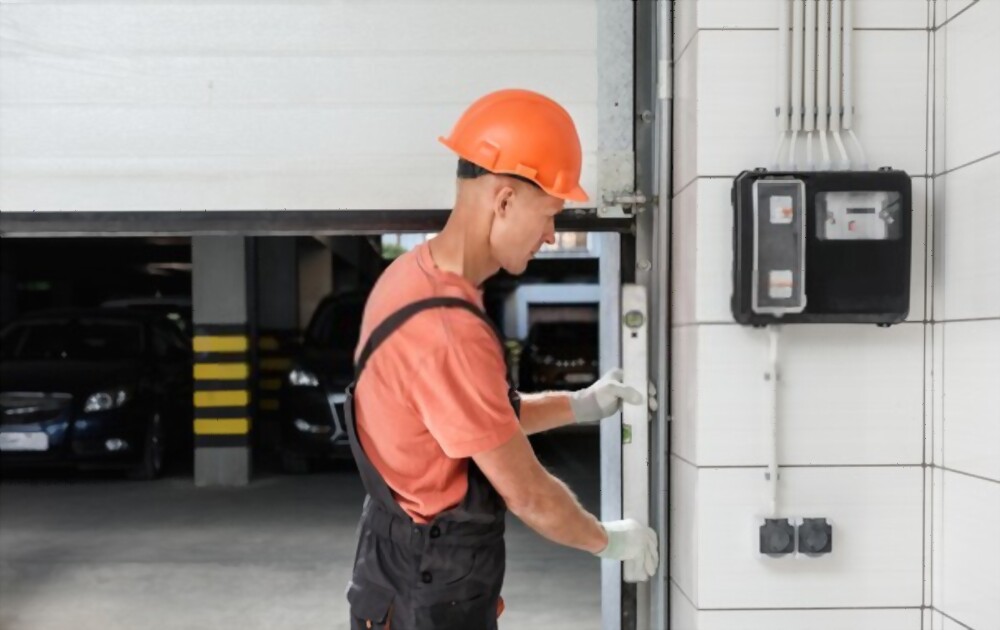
(621, 205)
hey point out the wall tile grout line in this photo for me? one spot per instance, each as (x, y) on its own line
(966, 320)
(930, 102)
(686, 596)
(794, 466)
(807, 608)
(970, 163)
(952, 18)
(922, 322)
(967, 474)
(686, 46)
(774, 29)
(949, 617)
(709, 323)
(696, 178)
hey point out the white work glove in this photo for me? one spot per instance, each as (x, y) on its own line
(603, 398)
(631, 540)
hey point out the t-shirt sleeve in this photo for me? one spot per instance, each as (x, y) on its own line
(461, 393)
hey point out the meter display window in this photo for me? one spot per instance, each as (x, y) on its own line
(858, 216)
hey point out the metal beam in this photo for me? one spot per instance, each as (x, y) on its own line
(260, 222)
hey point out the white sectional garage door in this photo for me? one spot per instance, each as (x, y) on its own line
(254, 105)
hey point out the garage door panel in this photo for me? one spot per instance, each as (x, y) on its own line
(297, 28)
(266, 105)
(244, 184)
(424, 79)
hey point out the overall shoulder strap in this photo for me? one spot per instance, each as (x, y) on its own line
(392, 323)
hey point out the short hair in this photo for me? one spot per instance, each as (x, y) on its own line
(470, 170)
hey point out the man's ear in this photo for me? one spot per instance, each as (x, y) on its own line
(502, 200)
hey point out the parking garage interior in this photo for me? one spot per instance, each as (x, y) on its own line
(270, 323)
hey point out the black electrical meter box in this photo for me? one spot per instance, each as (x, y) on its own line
(821, 247)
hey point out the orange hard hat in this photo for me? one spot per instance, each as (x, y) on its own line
(519, 132)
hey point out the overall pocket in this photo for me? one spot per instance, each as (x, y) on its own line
(475, 613)
(371, 605)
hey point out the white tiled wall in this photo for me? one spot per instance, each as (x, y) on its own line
(965, 357)
(971, 385)
(970, 79)
(967, 230)
(871, 619)
(877, 528)
(862, 409)
(868, 14)
(966, 550)
(850, 395)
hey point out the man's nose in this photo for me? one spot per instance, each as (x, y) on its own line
(550, 232)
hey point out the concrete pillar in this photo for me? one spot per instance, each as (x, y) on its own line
(315, 276)
(222, 296)
(278, 328)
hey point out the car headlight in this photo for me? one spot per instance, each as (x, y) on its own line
(302, 378)
(106, 400)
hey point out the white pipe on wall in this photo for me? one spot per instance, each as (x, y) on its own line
(771, 414)
(823, 81)
(849, 80)
(797, 41)
(784, 89)
(848, 31)
(836, 41)
(809, 110)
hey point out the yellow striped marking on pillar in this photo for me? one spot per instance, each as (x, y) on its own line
(222, 398)
(225, 426)
(275, 365)
(268, 343)
(270, 384)
(221, 343)
(221, 371)
(269, 404)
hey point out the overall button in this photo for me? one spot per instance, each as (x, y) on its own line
(435, 532)
(426, 577)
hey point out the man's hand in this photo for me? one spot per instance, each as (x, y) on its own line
(631, 540)
(603, 398)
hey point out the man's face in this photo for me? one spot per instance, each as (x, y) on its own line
(523, 221)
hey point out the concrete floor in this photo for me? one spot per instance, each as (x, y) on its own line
(88, 552)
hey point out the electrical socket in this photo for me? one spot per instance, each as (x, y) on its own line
(814, 536)
(777, 537)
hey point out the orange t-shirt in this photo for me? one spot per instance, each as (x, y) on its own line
(434, 393)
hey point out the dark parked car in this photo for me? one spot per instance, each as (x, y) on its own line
(96, 388)
(559, 356)
(312, 394)
(175, 308)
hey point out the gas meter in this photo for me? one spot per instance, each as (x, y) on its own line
(824, 246)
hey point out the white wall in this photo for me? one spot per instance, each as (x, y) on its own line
(965, 490)
(861, 407)
(269, 105)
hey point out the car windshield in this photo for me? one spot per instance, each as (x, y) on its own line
(564, 334)
(86, 339)
(337, 325)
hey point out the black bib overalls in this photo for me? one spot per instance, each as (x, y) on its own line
(444, 575)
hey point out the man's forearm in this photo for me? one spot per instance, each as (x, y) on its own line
(542, 412)
(554, 512)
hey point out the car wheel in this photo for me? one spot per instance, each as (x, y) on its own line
(295, 464)
(151, 464)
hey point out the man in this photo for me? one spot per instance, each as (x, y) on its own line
(439, 437)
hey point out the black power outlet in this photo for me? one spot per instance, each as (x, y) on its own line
(777, 537)
(815, 536)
